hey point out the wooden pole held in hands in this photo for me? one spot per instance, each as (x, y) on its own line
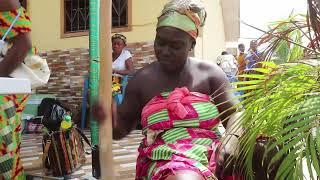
(105, 128)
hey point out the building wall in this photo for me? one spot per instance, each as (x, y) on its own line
(231, 18)
(212, 42)
(46, 24)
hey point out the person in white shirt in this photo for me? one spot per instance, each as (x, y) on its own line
(228, 64)
(122, 66)
(121, 58)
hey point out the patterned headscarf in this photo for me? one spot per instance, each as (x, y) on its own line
(119, 36)
(186, 15)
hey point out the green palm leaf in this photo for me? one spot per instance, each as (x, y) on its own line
(283, 104)
(282, 100)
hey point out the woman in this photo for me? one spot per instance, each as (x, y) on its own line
(172, 98)
(229, 65)
(122, 64)
(11, 106)
(241, 59)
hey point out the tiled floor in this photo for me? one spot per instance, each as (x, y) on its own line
(124, 154)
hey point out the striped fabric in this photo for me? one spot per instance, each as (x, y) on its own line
(22, 25)
(11, 107)
(180, 131)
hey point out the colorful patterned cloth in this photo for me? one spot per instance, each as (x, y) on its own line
(186, 15)
(11, 107)
(22, 25)
(116, 85)
(181, 134)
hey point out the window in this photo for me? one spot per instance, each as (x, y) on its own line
(119, 13)
(75, 17)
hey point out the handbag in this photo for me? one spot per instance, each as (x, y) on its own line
(63, 151)
(33, 68)
(53, 117)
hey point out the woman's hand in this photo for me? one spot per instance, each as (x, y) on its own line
(226, 152)
(98, 112)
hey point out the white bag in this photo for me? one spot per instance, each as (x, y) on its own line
(33, 68)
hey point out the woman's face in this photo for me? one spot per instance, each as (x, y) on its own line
(117, 45)
(172, 47)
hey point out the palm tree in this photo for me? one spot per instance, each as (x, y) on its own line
(281, 110)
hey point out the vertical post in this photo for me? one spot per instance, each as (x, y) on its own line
(84, 101)
(105, 133)
(94, 13)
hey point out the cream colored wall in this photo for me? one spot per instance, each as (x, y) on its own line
(212, 40)
(46, 24)
(45, 15)
(144, 19)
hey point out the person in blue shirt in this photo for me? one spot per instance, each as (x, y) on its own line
(253, 55)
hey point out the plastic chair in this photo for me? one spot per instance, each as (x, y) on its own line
(119, 97)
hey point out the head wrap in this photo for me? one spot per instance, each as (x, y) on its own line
(119, 36)
(186, 15)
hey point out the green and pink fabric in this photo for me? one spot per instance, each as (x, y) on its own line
(11, 107)
(181, 133)
(183, 16)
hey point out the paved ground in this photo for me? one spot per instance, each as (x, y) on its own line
(124, 152)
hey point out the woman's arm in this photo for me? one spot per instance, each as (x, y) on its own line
(129, 68)
(126, 116)
(7, 5)
(16, 54)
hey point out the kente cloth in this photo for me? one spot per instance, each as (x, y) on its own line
(11, 107)
(186, 15)
(22, 25)
(181, 133)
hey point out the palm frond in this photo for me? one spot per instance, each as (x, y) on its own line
(284, 104)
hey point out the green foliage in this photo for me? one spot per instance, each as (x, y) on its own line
(282, 102)
(294, 29)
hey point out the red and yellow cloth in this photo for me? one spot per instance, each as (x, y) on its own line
(11, 107)
(22, 25)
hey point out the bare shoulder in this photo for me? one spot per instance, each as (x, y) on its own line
(145, 72)
(208, 67)
(143, 75)
(213, 74)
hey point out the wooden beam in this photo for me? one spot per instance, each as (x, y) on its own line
(105, 128)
